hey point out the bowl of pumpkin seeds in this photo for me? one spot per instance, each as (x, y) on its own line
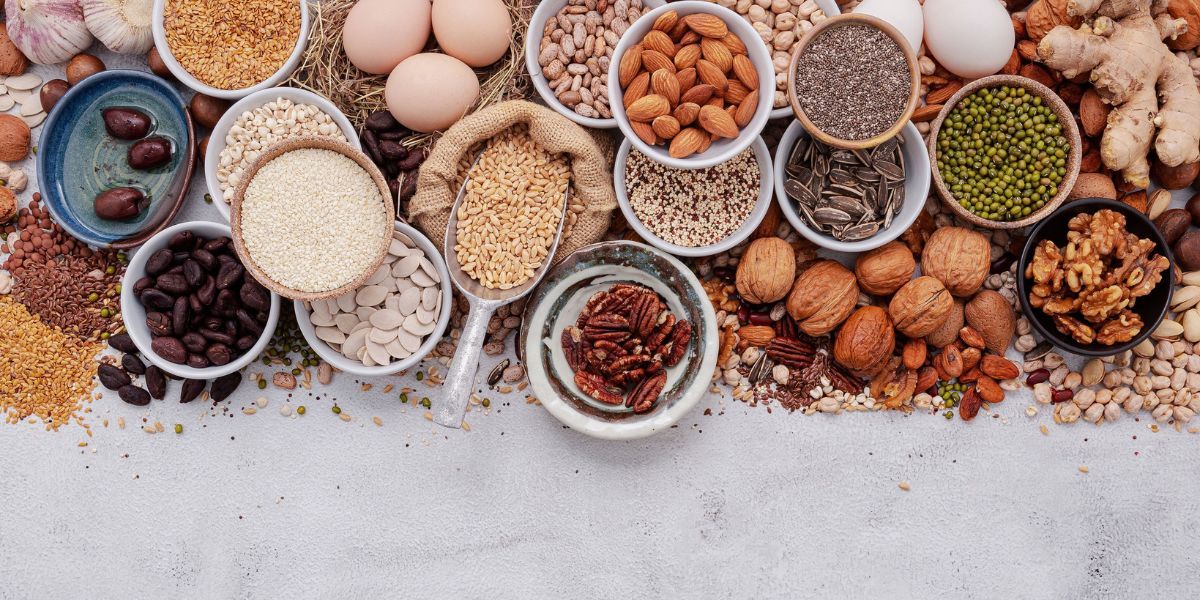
(851, 200)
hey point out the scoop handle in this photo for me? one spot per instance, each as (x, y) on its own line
(456, 391)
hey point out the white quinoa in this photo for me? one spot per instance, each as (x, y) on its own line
(311, 219)
(692, 207)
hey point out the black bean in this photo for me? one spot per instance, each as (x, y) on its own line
(207, 292)
(205, 258)
(159, 323)
(197, 361)
(194, 302)
(172, 283)
(223, 386)
(193, 273)
(160, 261)
(229, 274)
(248, 323)
(170, 349)
(156, 382)
(219, 354)
(191, 389)
(246, 342)
(216, 336)
(134, 395)
(194, 342)
(226, 303)
(112, 377)
(184, 240)
(217, 243)
(132, 364)
(140, 285)
(180, 315)
(255, 296)
(123, 342)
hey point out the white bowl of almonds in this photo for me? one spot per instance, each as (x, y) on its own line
(553, 58)
(393, 320)
(260, 120)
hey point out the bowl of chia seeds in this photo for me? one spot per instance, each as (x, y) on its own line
(853, 81)
(1004, 152)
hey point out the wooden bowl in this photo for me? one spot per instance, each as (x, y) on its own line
(1070, 131)
(914, 74)
(321, 143)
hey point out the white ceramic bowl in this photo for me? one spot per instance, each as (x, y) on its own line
(761, 153)
(721, 150)
(135, 314)
(180, 73)
(355, 367)
(916, 190)
(533, 46)
(216, 141)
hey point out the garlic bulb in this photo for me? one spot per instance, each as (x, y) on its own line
(47, 31)
(121, 25)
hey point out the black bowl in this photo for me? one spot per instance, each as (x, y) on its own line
(1151, 307)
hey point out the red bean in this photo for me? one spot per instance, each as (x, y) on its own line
(1037, 377)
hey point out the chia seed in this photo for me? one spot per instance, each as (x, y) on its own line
(853, 82)
(692, 207)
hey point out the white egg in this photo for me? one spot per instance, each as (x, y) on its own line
(904, 15)
(970, 38)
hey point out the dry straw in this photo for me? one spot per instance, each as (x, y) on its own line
(326, 70)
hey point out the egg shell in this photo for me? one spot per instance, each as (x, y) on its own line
(970, 38)
(430, 91)
(477, 32)
(378, 34)
(904, 15)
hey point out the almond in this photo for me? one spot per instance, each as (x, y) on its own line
(989, 391)
(689, 37)
(926, 113)
(942, 94)
(745, 72)
(735, 92)
(926, 377)
(970, 375)
(716, 101)
(659, 42)
(1013, 65)
(1038, 74)
(971, 337)
(677, 30)
(710, 74)
(631, 64)
(687, 143)
(1027, 49)
(647, 108)
(745, 110)
(686, 113)
(998, 367)
(645, 132)
(687, 56)
(968, 407)
(717, 122)
(699, 93)
(663, 83)
(687, 78)
(666, 21)
(757, 335)
(707, 25)
(1093, 113)
(716, 53)
(665, 127)
(636, 89)
(704, 143)
(734, 43)
(971, 357)
(653, 60)
(914, 354)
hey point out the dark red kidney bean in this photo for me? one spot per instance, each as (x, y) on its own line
(197, 361)
(225, 303)
(180, 315)
(249, 325)
(154, 298)
(371, 146)
(194, 303)
(760, 318)
(191, 390)
(1061, 396)
(177, 262)
(1037, 377)
(207, 292)
(193, 273)
(134, 395)
(408, 188)
(194, 342)
(170, 349)
(412, 161)
(205, 258)
(216, 336)
(219, 354)
(133, 364)
(182, 241)
(140, 285)
(223, 386)
(217, 243)
(395, 136)
(111, 377)
(126, 123)
(392, 151)
(381, 120)
(246, 342)
(211, 322)
(173, 283)
(255, 296)
(122, 342)
(229, 274)
(149, 153)
(156, 382)
(119, 204)
(394, 188)
(158, 323)
(159, 262)
(231, 327)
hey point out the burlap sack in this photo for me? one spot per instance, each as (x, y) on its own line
(592, 193)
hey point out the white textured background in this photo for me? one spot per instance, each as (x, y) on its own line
(740, 504)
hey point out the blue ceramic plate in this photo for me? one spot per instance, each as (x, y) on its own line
(77, 159)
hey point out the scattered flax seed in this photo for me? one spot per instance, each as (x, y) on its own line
(466, 426)
(1083, 469)
(905, 486)
(121, 422)
(149, 429)
(366, 387)
(345, 417)
(521, 386)
(428, 416)
(1045, 430)
(158, 426)
(388, 388)
(378, 422)
(504, 389)
(1193, 429)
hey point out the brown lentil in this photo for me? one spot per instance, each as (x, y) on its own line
(231, 45)
(692, 207)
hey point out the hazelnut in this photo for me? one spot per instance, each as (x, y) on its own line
(12, 60)
(823, 296)
(992, 316)
(957, 257)
(1173, 224)
(81, 66)
(207, 110)
(1193, 208)
(14, 138)
(866, 341)
(920, 306)
(885, 269)
(1187, 251)
(1174, 178)
(766, 270)
(157, 66)
(52, 92)
(947, 332)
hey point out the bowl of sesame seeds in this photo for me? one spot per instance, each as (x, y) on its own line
(230, 49)
(694, 212)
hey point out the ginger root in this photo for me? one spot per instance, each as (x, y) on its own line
(1121, 43)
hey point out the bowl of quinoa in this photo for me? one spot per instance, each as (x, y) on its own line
(694, 212)
(311, 218)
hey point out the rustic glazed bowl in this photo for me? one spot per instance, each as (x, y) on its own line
(556, 304)
(910, 57)
(1151, 307)
(323, 143)
(1070, 131)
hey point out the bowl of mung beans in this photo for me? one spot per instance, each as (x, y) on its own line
(1004, 151)
(230, 49)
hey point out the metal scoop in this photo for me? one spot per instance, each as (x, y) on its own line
(483, 303)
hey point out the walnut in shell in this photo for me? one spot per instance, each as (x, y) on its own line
(920, 307)
(766, 270)
(992, 316)
(959, 258)
(866, 341)
(947, 332)
(885, 269)
(822, 297)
